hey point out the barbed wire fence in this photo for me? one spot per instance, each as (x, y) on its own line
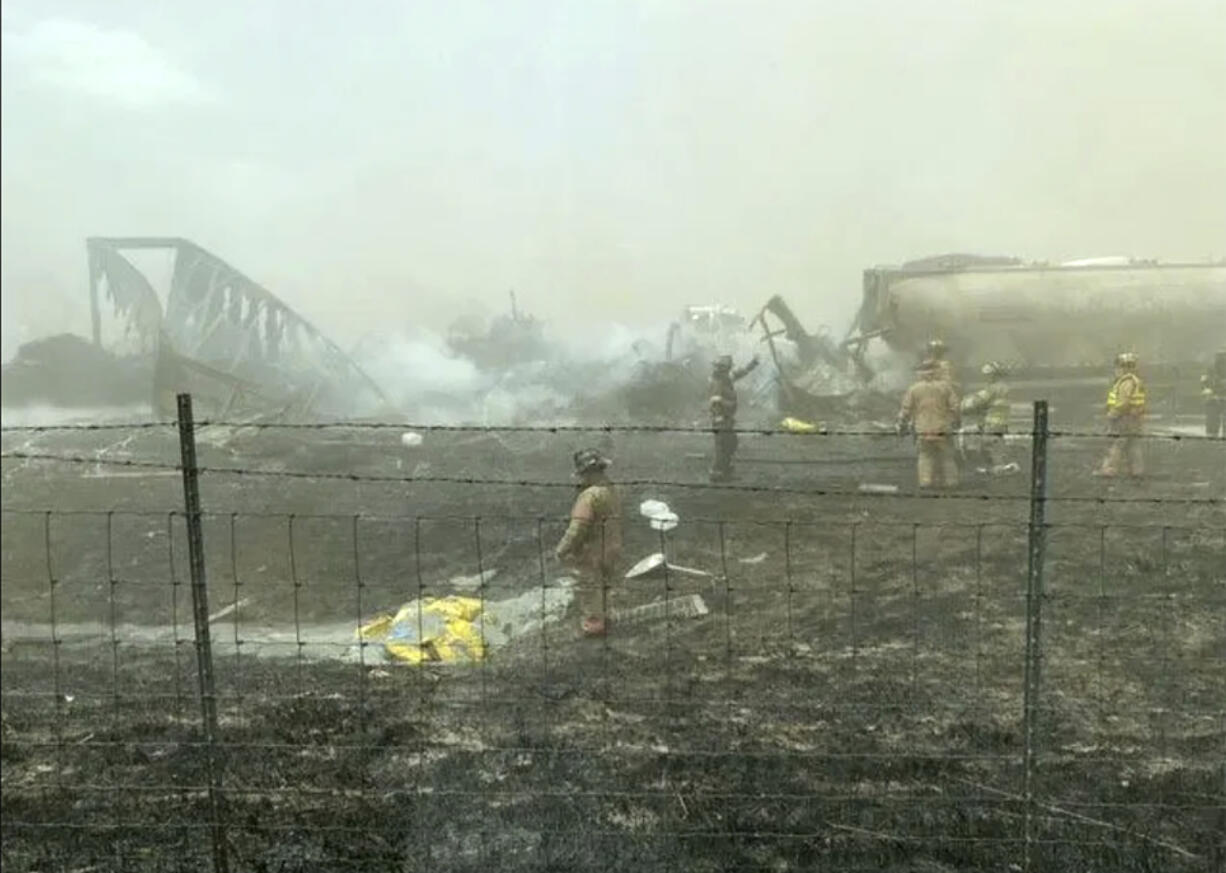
(1022, 694)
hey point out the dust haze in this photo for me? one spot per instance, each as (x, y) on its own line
(400, 164)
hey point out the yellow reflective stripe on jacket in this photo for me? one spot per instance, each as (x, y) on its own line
(993, 405)
(998, 410)
(998, 415)
(1135, 402)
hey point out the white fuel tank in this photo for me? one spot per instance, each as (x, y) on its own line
(1063, 316)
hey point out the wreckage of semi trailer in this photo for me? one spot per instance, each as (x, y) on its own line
(818, 378)
(234, 345)
(1056, 328)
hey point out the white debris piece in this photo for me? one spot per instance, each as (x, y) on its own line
(665, 521)
(658, 515)
(473, 582)
(410, 439)
(1108, 261)
(690, 606)
(652, 508)
(654, 566)
(872, 488)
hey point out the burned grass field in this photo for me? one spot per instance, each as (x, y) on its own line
(851, 699)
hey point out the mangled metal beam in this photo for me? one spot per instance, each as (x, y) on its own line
(219, 323)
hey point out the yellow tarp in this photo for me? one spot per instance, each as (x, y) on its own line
(444, 629)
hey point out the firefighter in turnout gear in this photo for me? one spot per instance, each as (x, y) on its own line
(1213, 392)
(592, 544)
(988, 409)
(722, 404)
(1125, 419)
(930, 410)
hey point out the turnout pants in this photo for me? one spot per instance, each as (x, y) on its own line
(1215, 416)
(725, 449)
(592, 593)
(936, 462)
(992, 446)
(1124, 456)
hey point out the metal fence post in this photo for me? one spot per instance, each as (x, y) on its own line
(200, 614)
(1034, 612)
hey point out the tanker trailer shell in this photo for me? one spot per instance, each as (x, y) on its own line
(1053, 317)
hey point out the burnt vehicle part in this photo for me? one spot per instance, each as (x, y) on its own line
(69, 370)
(515, 337)
(222, 336)
(703, 332)
(822, 379)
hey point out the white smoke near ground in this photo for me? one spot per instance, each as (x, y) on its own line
(419, 362)
(421, 377)
(892, 370)
(570, 379)
(428, 381)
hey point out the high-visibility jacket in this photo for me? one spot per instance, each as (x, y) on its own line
(998, 413)
(1126, 397)
(991, 405)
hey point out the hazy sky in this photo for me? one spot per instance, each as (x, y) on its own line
(381, 163)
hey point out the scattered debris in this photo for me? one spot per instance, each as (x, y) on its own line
(690, 606)
(873, 488)
(226, 610)
(654, 566)
(473, 582)
(999, 470)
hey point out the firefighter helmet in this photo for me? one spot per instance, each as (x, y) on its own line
(589, 460)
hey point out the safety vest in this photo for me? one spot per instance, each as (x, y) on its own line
(1135, 404)
(990, 405)
(997, 416)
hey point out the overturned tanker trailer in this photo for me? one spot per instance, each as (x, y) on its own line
(1057, 328)
(234, 345)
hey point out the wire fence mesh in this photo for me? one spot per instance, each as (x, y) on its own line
(825, 681)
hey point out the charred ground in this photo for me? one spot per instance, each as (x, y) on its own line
(852, 700)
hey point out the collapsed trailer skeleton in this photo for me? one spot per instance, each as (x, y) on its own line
(231, 342)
